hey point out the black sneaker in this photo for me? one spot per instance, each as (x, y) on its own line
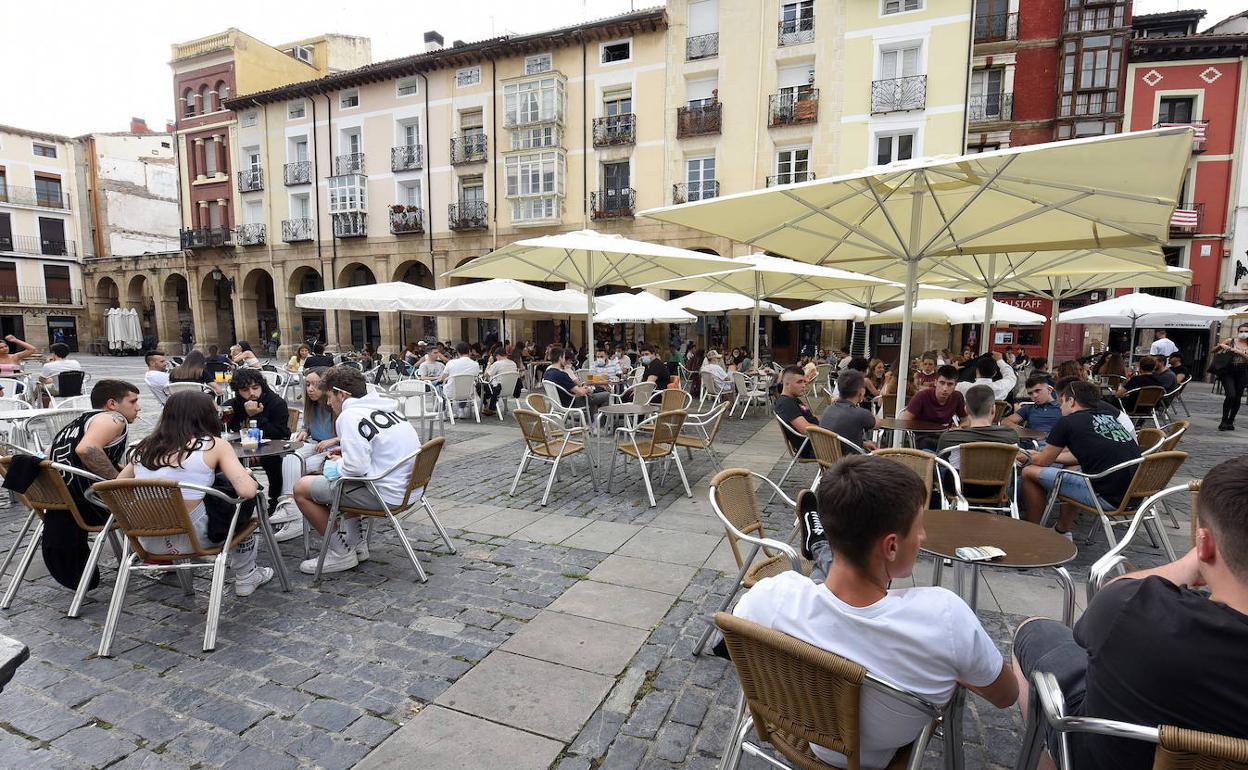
(808, 518)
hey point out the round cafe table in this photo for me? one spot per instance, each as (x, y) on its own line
(905, 429)
(250, 458)
(632, 414)
(1026, 546)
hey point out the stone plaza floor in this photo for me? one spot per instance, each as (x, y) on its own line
(556, 637)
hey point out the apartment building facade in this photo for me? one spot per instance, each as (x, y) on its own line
(41, 284)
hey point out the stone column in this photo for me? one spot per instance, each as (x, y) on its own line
(225, 212)
(204, 219)
(201, 160)
(218, 146)
(167, 314)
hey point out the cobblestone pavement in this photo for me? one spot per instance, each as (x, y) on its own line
(556, 636)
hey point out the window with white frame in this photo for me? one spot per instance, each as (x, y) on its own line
(351, 141)
(797, 22)
(468, 76)
(700, 178)
(792, 165)
(349, 98)
(795, 83)
(253, 212)
(987, 95)
(618, 102)
(298, 149)
(296, 109)
(348, 192)
(407, 133)
(701, 93)
(251, 158)
(538, 63)
(249, 119)
(536, 181)
(408, 193)
(471, 189)
(406, 86)
(616, 51)
(894, 146)
(535, 138)
(889, 7)
(533, 101)
(300, 206)
(901, 61)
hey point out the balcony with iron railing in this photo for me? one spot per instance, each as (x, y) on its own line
(613, 204)
(32, 196)
(468, 148)
(299, 172)
(206, 237)
(351, 163)
(296, 230)
(1186, 220)
(1199, 128)
(994, 27)
(251, 180)
(251, 234)
(40, 295)
(685, 192)
(702, 47)
(38, 246)
(795, 31)
(406, 220)
(898, 94)
(790, 177)
(698, 120)
(613, 130)
(408, 157)
(791, 108)
(468, 215)
(987, 108)
(350, 224)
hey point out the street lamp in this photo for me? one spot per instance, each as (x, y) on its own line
(219, 278)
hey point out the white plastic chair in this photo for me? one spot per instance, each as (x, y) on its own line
(420, 402)
(277, 382)
(506, 383)
(462, 389)
(747, 394)
(578, 413)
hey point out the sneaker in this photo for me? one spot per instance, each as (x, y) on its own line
(247, 584)
(288, 531)
(1069, 534)
(361, 550)
(808, 518)
(286, 511)
(334, 562)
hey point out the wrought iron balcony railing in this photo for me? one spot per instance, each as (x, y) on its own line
(251, 234)
(351, 163)
(31, 244)
(612, 204)
(615, 129)
(698, 120)
(299, 172)
(1186, 220)
(407, 219)
(32, 196)
(296, 230)
(702, 47)
(408, 157)
(687, 192)
(1200, 127)
(206, 237)
(468, 148)
(352, 224)
(251, 180)
(789, 108)
(992, 27)
(899, 94)
(989, 107)
(468, 215)
(794, 31)
(789, 177)
(40, 295)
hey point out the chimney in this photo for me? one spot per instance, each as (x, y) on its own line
(139, 126)
(433, 41)
(169, 126)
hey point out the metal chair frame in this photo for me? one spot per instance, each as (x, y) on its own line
(747, 395)
(453, 396)
(543, 448)
(1113, 560)
(659, 436)
(554, 393)
(1170, 401)
(714, 419)
(1007, 500)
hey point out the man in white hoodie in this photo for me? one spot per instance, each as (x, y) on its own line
(374, 436)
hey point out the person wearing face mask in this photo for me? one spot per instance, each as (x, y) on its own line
(603, 366)
(1235, 376)
(656, 370)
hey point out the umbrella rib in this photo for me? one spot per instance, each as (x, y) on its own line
(1083, 188)
(844, 237)
(945, 229)
(1026, 215)
(879, 206)
(771, 231)
(816, 211)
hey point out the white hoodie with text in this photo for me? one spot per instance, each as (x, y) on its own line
(375, 435)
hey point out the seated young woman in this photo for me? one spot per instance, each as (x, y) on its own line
(318, 437)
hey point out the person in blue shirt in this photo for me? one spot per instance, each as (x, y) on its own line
(1044, 410)
(604, 366)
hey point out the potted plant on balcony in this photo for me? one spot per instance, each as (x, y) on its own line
(404, 219)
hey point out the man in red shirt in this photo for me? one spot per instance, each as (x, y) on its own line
(937, 404)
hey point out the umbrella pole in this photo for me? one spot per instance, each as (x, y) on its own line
(1131, 342)
(907, 323)
(992, 282)
(1053, 313)
(756, 320)
(589, 303)
(866, 327)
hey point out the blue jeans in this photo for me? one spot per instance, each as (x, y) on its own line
(1072, 487)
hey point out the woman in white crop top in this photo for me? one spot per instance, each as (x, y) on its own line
(184, 447)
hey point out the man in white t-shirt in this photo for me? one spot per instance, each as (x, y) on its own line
(58, 362)
(1163, 346)
(462, 363)
(924, 640)
(156, 377)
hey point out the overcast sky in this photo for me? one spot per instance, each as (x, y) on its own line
(111, 58)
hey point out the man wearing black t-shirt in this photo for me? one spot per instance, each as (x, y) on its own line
(1178, 369)
(656, 370)
(793, 410)
(1089, 436)
(1148, 649)
(1148, 376)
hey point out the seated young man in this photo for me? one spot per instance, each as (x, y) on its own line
(255, 401)
(845, 417)
(57, 363)
(655, 370)
(925, 640)
(156, 377)
(926, 376)
(1148, 376)
(1181, 373)
(1149, 650)
(791, 407)
(986, 368)
(373, 436)
(938, 404)
(318, 358)
(572, 390)
(1043, 412)
(981, 407)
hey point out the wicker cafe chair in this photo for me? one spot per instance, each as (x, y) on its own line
(422, 463)
(1153, 473)
(1002, 409)
(1147, 403)
(671, 399)
(49, 493)
(661, 445)
(734, 499)
(988, 468)
(547, 440)
(293, 415)
(799, 454)
(829, 447)
(156, 508)
(1150, 439)
(794, 694)
(1114, 561)
(1178, 748)
(1174, 432)
(924, 465)
(700, 430)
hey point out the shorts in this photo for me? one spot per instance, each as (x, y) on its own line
(355, 496)
(1073, 487)
(1048, 645)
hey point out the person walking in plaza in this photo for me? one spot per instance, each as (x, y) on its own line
(275, 341)
(1234, 376)
(185, 447)
(187, 338)
(373, 437)
(1162, 346)
(255, 402)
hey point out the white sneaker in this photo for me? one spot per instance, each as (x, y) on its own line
(288, 531)
(286, 511)
(247, 584)
(361, 550)
(334, 562)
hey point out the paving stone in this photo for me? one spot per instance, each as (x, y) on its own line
(674, 742)
(147, 760)
(93, 746)
(441, 739)
(689, 548)
(533, 695)
(613, 604)
(503, 522)
(552, 528)
(604, 648)
(259, 757)
(370, 730)
(605, 536)
(47, 723)
(648, 717)
(651, 575)
(330, 753)
(282, 699)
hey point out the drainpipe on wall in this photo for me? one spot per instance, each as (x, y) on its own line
(494, 151)
(585, 127)
(428, 170)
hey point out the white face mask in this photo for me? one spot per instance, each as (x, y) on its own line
(1243, 335)
(602, 360)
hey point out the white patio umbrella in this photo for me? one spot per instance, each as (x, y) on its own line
(492, 297)
(644, 307)
(586, 259)
(1000, 312)
(927, 311)
(726, 303)
(1237, 311)
(371, 298)
(1112, 192)
(1137, 309)
(827, 311)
